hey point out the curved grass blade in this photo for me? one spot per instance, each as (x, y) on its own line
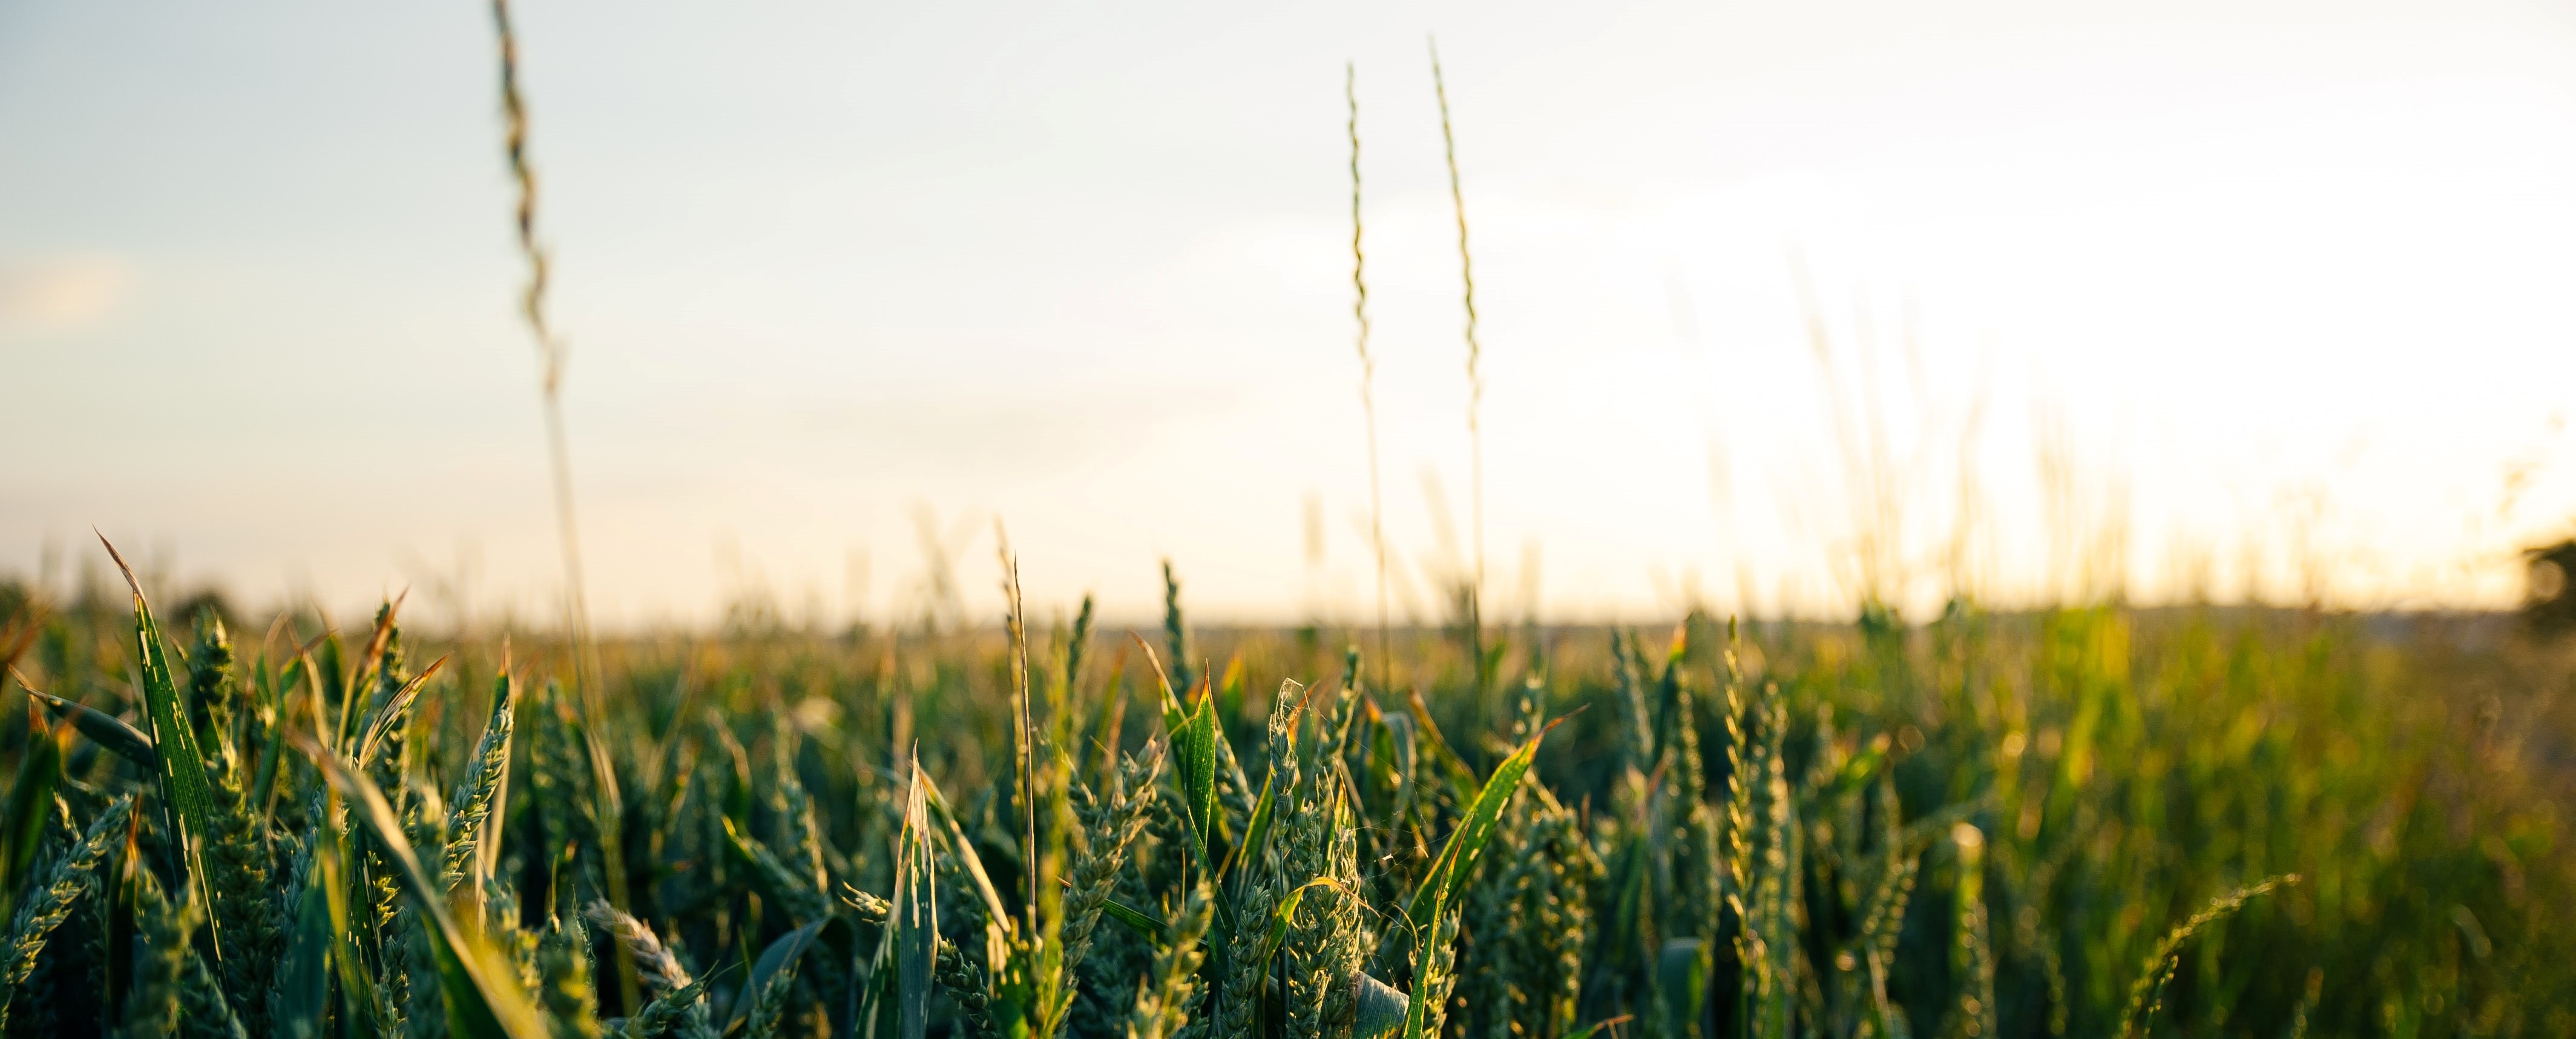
(483, 997)
(1280, 918)
(776, 967)
(1449, 872)
(1379, 1008)
(1451, 765)
(385, 720)
(106, 730)
(1457, 859)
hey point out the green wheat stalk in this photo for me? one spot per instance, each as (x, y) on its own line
(1105, 853)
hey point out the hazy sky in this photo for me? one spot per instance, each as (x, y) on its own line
(2283, 286)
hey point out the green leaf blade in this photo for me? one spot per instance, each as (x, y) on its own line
(110, 732)
(1194, 753)
(179, 765)
(1457, 859)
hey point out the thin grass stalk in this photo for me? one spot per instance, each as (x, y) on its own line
(550, 347)
(1023, 730)
(2146, 996)
(1368, 380)
(1971, 954)
(550, 356)
(1475, 380)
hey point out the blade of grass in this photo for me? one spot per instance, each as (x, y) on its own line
(916, 915)
(1460, 776)
(1194, 766)
(102, 728)
(1379, 1009)
(1138, 920)
(776, 967)
(999, 919)
(1457, 859)
(1282, 916)
(483, 996)
(185, 790)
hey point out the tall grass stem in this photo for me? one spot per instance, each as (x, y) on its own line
(1475, 379)
(550, 357)
(1368, 376)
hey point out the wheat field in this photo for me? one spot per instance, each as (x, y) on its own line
(2087, 822)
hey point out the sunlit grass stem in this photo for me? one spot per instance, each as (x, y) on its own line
(1368, 374)
(550, 357)
(1475, 380)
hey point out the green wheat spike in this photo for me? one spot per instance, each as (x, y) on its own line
(57, 888)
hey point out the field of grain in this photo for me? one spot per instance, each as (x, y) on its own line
(2085, 822)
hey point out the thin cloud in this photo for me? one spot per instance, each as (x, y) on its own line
(61, 295)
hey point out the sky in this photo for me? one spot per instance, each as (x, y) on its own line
(1780, 305)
